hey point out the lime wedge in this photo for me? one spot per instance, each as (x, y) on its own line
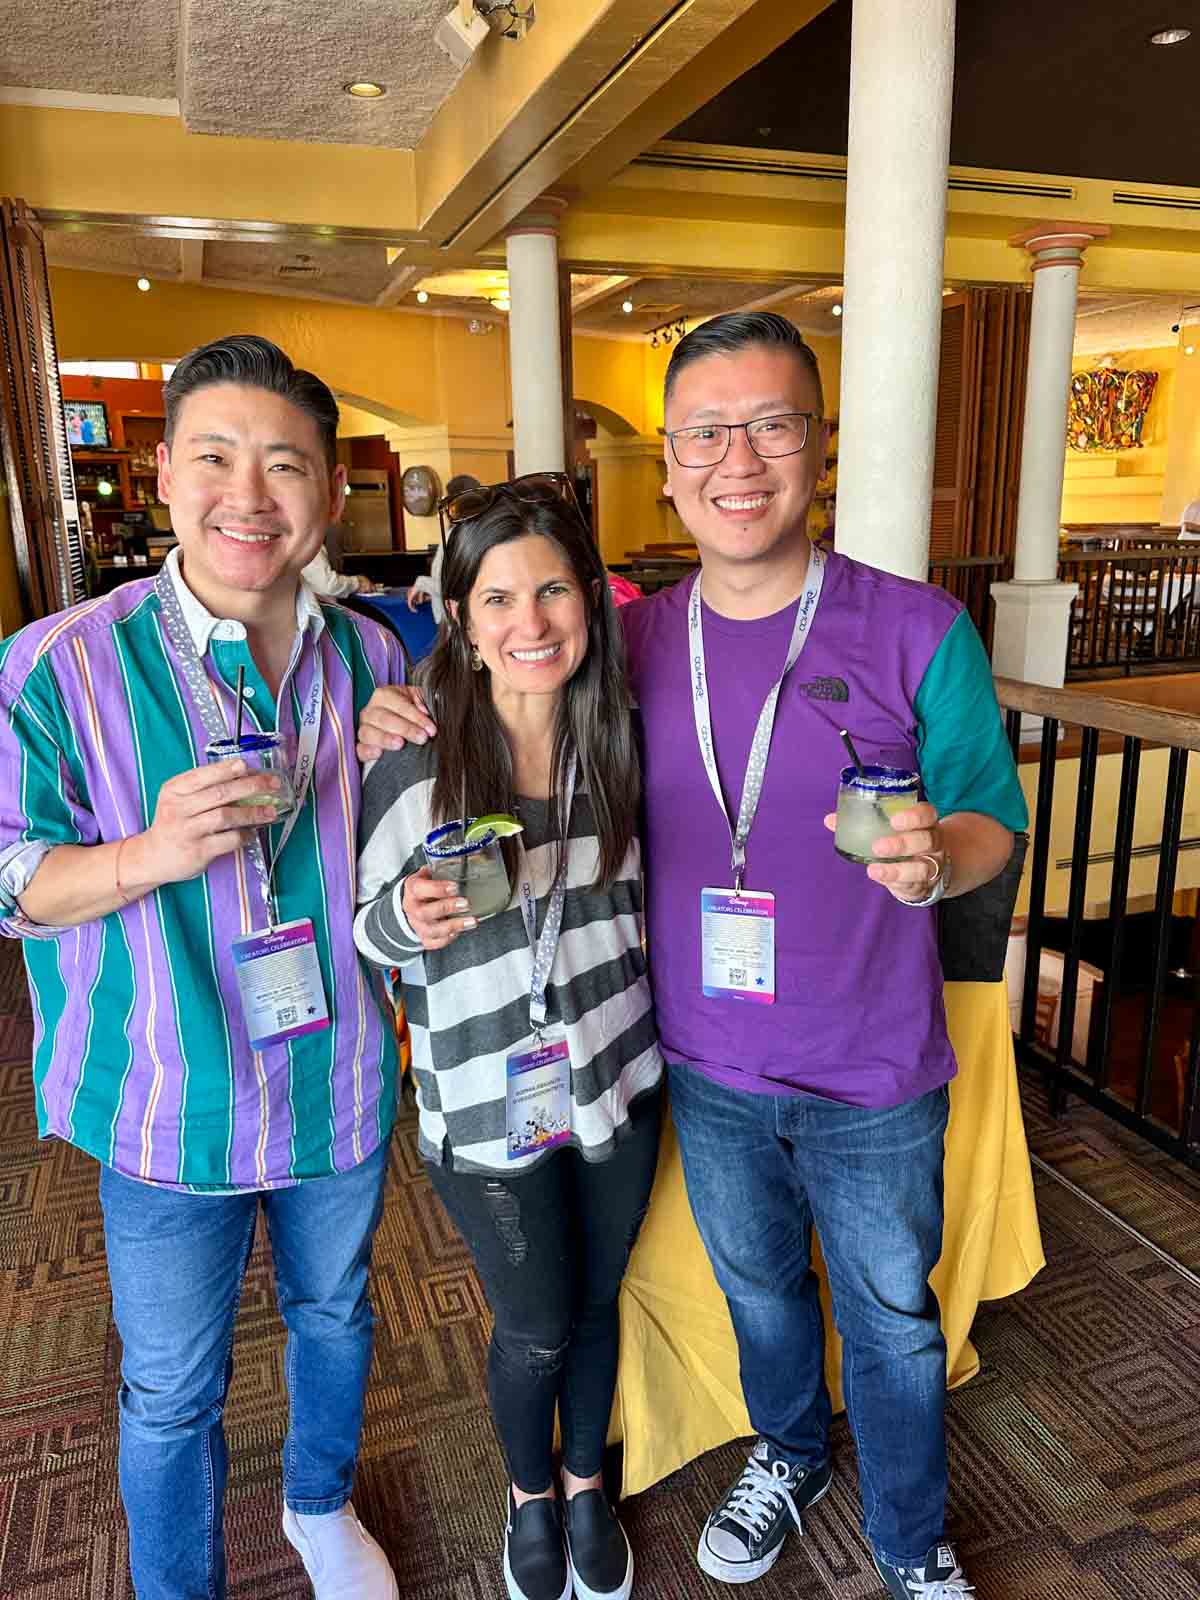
(500, 823)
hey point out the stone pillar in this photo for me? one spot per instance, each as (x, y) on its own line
(1033, 611)
(901, 77)
(534, 338)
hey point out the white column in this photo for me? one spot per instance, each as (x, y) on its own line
(535, 350)
(901, 77)
(1033, 612)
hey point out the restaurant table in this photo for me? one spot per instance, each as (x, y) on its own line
(678, 1393)
(417, 628)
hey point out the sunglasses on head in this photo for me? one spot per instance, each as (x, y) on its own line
(532, 488)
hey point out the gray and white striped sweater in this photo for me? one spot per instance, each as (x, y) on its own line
(468, 1005)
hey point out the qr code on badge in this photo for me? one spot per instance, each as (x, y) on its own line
(286, 1016)
(737, 977)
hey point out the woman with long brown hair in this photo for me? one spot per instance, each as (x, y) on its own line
(534, 1048)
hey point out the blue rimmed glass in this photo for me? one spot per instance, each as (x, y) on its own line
(867, 801)
(477, 868)
(262, 752)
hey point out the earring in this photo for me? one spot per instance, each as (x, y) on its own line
(476, 660)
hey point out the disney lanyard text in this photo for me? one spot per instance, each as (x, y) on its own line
(204, 698)
(760, 748)
(545, 948)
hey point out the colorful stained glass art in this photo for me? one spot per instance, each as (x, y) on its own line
(1107, 409)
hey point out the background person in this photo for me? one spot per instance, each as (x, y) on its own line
(536, 722)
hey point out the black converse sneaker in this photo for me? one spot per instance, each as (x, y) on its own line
(939, 1577)
(745, 1534)
(599, 1553)
(535, 1562)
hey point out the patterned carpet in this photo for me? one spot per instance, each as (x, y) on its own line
(1074, 1453)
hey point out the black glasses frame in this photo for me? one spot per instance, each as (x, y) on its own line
(532, 488)
(730, 428)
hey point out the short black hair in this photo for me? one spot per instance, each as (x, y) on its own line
(740, 330)
(245, 358)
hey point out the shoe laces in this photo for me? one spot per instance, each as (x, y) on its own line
(953, 1586)
(757, 1496)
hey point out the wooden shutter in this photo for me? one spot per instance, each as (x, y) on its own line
(33, 431)
(952, 430)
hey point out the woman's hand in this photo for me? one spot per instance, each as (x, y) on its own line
(916, 833)
(434, 909)
(394, 716)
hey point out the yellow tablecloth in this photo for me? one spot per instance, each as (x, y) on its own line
(678, 1393)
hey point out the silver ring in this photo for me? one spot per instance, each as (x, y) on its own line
(934, 863)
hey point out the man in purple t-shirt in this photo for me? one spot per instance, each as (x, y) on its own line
(799, 995)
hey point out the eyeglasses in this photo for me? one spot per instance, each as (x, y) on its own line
(768, 437)
(533, 488)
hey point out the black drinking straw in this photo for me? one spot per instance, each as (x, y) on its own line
(241, 703)
(851, 751)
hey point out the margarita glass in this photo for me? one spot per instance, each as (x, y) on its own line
(867, 801)
(477, 868)
(262, 752)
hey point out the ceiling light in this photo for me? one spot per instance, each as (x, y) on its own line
(627, 306)
(422, 296)
(502, 303)
(1170, 36)
(364, 89)
(143, 284)
(1189, 349)
(837, 311)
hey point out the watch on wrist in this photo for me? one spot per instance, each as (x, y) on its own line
(937, 888)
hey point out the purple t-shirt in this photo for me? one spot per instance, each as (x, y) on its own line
(858, 1015)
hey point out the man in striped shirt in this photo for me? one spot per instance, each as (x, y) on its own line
(204, 1027)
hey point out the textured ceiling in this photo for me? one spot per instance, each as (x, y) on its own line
(271, 69)
(1108, 324)
(276, 68)
(1071, 88)
(113, 250)
(660, 300)
(351, 271)
(91, 46)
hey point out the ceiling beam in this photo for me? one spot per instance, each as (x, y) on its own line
(401, 279)
(523, 116)
(88, 161)
(608, 289)
(191, 260)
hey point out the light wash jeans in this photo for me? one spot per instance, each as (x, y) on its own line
(176, 1263)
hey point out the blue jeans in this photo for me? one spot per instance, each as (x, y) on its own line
(176, 1263)
(761, 1170)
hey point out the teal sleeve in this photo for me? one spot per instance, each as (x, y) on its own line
(963, 751)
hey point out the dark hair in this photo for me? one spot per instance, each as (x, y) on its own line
(474, 761)
(245, 358)
(461, 484)
(740, 330)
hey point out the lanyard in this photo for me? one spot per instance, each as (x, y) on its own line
(204, 698)
(759, 749)
(545, 948)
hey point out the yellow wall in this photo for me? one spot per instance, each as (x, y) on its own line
(1182, 484)
(1125, 485)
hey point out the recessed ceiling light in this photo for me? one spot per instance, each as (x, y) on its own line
(422, 296)
(1170, 36)
(837, 311)
(627, 306)
(1189, 349)
(364, 89)
(502, 303)
(143, 284)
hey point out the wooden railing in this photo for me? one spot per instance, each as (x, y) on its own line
(1139, 1056)
(1137, 607)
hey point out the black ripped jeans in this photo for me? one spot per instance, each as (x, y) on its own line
(550, 1245)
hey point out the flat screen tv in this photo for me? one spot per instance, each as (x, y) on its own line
(87, 424)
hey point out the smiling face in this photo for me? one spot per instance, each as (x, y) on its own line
(745, 508)
(528, 617)
(251, 494)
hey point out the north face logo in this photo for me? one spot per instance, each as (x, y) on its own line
(825, 689)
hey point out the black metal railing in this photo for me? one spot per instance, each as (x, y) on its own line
(1139, 1057)
(1137, 607)
(970, 579)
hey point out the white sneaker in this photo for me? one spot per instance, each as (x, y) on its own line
(342, 1560)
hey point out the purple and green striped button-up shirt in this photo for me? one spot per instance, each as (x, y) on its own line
(141, 1053)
